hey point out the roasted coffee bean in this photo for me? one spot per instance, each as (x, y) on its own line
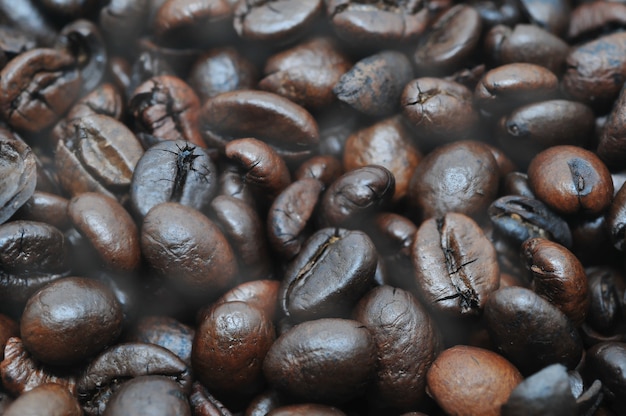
(571, 180)
(324, 168)
(516, 183)
(324, 280)
(229, 348)
(607, 362)
(108, 372)
(355, 195)
(8, 329)
(204, 404)
(166, 108)
(460, 371)
(322, 361)
(407, 342)
(166, 332)
(188, 250)
(262, 294)
(109, 228)
(289, 219)
(263, 403)
(459, 177)
(99, 155)
(530, 331)
(276, 21)
(27, 16)
(48, 399)
(373, 86)
(513, 85)
(545, 392)
(612, 142)
(518, 218)
(494, 13)
(596, 70)
(456, 268)
(37, 87)
(232, 184)
(221, 70)
(449, 42)
(440, 111)
(173, 171)
(145, 67)
(266, 116)
(122, 20)
(154, 395)
(520, 44)
(18, 169)
(336, 125)
(307, 73)
(306, 409)
(606, 292)
(557, 276)
(553, 16)
(261, 165)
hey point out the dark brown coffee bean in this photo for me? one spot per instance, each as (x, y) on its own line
(615, 219)
(37, 87)
(18, 169)
(494, 13)
(188, 250)
(612, 143)
(48, 399)
(30, 18)
(530, 331)
(571, 180)
(21, 372)
(535, 127)
(516, 183)
(306, 73)
(407, 342)
(204, 404)
(266, 116)
(458, 177)
(8, 329)
(289, 217)
(262, 294)
(387, 143)
(557, 276)
(173, 171)
(509, 86)
(356, 195)
(228, 350)
(122, 20)
(221, 70)
(324, 168)
(439, 110)
(109, 228)
(166, 332)
(70, 320)
(232, 184)
(324, 280)
(99, 155)
(108, 372)
(455, 264)
(553, 16)
(261, 165)
(545, 392)
(373, 86)
(520, 44)
(606, 293)
(449, 42)
(243, 228)
(306, 409)
(607, 362)
(518, 218)
(154, 395)
(280, 22)
(589, 19)
(461, 371)
(322, 361)
(596, 70)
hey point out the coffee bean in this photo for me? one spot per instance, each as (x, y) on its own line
(19, 170)
(155, 395)
(607, 362)
(166, 332)
(204, 404)
(49, 399)
(325, 168)
(306, 409)
(261, 294)
(606, 291)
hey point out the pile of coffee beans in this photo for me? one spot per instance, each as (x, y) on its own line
(312, 207)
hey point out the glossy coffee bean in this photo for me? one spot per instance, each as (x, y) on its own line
(449, 42)
(385, 74)
(516, 183)
(607, 362)
(263, 403)
(571, 180)
(440, 111)
(322, 361)
(25, 101)
(355, 195)
(456, 269)
(407, 342)
(48, 399)
(325, 168)
(154, 395)
(108, 228)
(458, 177)
(530, 331)
(615, 219)
(387, 143)
(188, 250)
(323, 280)
(261, 294)
(557, 276)
(121, 20)
(589, 19)
(173, 171)
(460, 371)
(306, 409)
(229, 348)
(612, 142)
(166, 332)
(70, 320)
(19, 170)
(606, 294)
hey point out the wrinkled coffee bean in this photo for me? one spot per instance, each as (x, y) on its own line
(19, 173)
